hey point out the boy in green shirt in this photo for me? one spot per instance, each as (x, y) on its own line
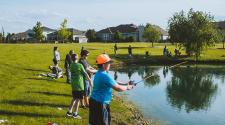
(77, 84)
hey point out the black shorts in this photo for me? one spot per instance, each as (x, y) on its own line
(55, 61)
(99, 114)
(78, 94)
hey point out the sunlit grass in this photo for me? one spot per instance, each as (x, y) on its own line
(27, 99)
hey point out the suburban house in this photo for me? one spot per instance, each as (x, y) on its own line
(220, 25)
(29, 34)
(76, 35)
(47, 31)
(164, 34)
(128, 30)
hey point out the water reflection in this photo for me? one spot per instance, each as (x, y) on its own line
(115, 75)
(198, 92)
(142, 71)
(152, 81)
(165, 71)
(191, 88)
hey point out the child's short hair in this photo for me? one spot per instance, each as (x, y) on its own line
(55, 48)
(84, 53)
(74, 57)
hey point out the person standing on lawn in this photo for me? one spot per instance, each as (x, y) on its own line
(99, 110)
(130, 51)
(115, 49)
(90, 70)
(56, 57)
(77, 83)
(67, 63)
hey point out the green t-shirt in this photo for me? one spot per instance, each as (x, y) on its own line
(77, 73)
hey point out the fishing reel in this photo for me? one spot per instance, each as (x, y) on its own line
(132, 83)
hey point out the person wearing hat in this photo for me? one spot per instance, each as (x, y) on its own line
(67, 63)
(99, 109)
(90, 70)
(77, 83)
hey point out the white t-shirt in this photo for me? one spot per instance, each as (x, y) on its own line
(56, 55)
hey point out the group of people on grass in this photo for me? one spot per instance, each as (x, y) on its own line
(129, 50)
(79, 73)
(168, 53)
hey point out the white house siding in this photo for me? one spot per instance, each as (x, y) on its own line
(80, 38)
(45, 33)
(105, 36)
(164, 37)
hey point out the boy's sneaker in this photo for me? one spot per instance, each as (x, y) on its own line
(69, 114)
(76, 116)
(84, 107)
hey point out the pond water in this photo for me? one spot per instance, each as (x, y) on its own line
(185, 95)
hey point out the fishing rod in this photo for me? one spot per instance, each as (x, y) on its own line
(135, 83)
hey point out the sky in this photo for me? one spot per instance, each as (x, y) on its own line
(20, 15)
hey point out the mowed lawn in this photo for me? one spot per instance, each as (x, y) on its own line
(26, 98)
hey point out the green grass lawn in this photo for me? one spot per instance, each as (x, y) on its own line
(27, 99)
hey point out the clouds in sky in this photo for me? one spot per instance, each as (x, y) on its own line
(20, 15)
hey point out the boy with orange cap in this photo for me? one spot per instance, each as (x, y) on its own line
(99, 110)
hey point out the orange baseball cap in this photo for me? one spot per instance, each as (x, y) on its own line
(103, 58)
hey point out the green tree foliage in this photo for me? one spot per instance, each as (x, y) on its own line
(221, 35)
(38, 32)
(194, 30)
(63, 33)
(91, 35)
(151, 34)
(129, 39)
(118, 36)
(191, 88)
(9, 37)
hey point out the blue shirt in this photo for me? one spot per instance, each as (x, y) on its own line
(102, 90)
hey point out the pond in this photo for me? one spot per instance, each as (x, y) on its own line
(185, 95)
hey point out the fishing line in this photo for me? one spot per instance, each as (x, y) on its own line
(135, 83)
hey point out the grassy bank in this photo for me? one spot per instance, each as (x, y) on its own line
(27, 99)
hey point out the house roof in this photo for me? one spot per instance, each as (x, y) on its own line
(129, 28)
(76, 31)
(162, 31)
(47, 29)
(29, 31)
(53, 33)
(220, 25)
(124, 28)
(20, 35)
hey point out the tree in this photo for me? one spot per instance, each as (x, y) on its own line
(194, 30)
(118, 36)
(191, 89)
(38, 32)
(129, 39)
(91, 35)
(63, 33)
(221, 35)
(8, 37)
(151, 34)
